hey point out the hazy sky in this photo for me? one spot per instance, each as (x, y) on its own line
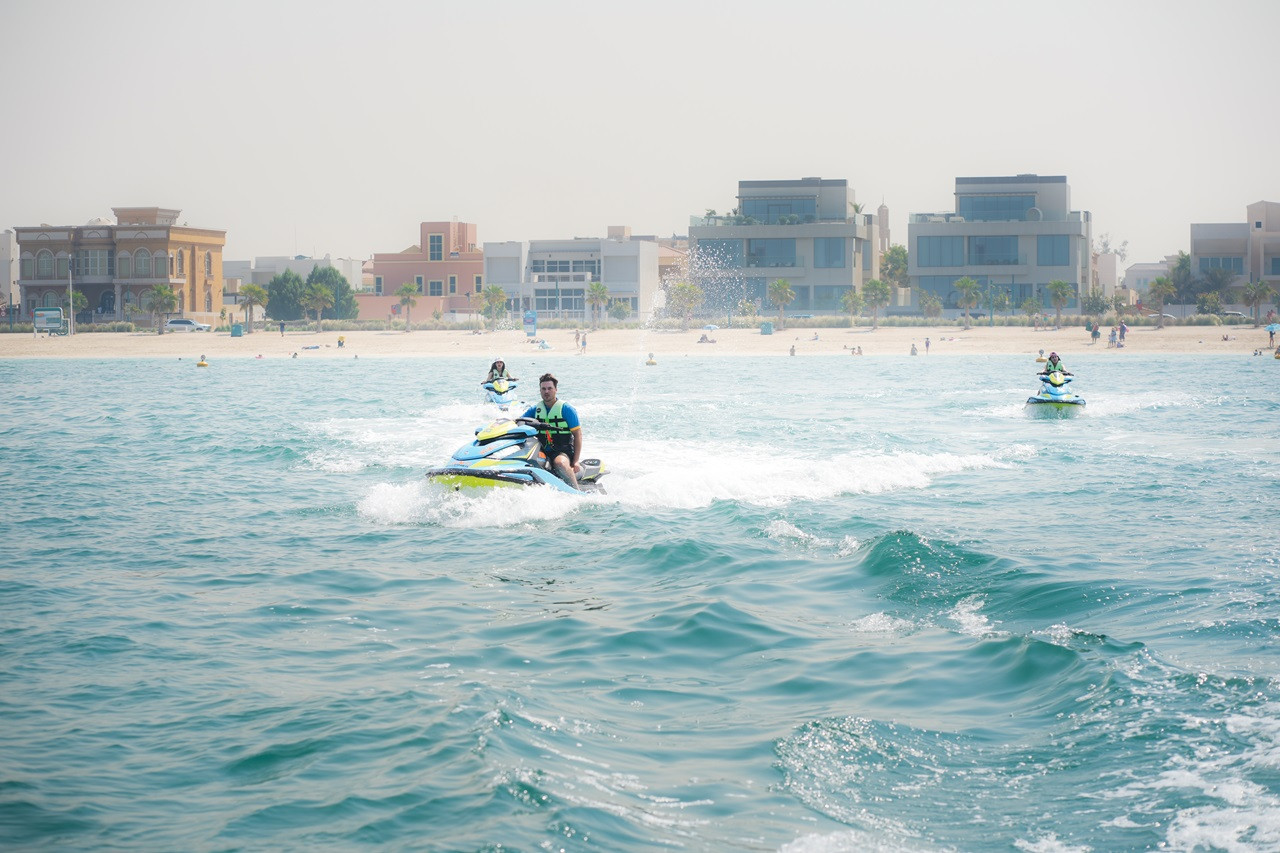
(314, 127)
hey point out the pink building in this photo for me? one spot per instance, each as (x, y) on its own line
(444, 268)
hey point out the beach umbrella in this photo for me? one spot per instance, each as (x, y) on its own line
(711, 327)
(1272, 327)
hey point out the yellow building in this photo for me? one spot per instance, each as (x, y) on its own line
(115, 265)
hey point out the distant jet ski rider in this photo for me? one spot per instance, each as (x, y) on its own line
(1053, 365)
(498, 370)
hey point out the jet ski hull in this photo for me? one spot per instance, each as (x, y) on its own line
(1054, 399)
(507, 454)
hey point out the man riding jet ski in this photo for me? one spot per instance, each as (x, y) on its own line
(542, 447)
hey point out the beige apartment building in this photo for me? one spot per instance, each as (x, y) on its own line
(116, 264)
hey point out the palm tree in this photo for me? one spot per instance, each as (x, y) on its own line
(495, 302)
(317, 297)
(781, 294)
(852, 302)
(1185, 283)
(1060, 293)
(163, 300)
(969, 295)
(683, 299)
(408, 296)
(930, 305)
(252, 296)
(1161, 290)
(597, 298)
(1254, 294)
(877, 295)
(1030, 306)
(1219, 279)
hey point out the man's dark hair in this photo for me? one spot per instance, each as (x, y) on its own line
(547, 377)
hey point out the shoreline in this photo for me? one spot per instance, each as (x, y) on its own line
(513, 345)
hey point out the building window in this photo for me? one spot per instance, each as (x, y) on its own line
(417, 281)
(44, 264)
(479, 284)
(1053, 250)
(1275, 266)
(771, 252)
(993, 250)
(435, 243)
(182, 264)
(142, 264)
(435, 288)
(828, 253)
(571, 299)
(161, 265)
(995, 208)
(719, 254)
(377, 285)
(93, 262)
(453, 285)
(940, 251)
(124, 265)
(785, 211)
(208, 263)
(28, 267)
(1235, 264)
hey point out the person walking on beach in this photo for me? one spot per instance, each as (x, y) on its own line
(562, 439)
(926, 346)
(282, 328)
(1124, 330)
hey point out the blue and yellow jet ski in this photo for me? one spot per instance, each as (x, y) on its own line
(500, 391)
(1054, 397)
(507, 453)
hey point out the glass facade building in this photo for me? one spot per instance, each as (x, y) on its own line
(1012, 234)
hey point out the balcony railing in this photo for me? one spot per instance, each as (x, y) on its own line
(735, 220)
(1045, 216)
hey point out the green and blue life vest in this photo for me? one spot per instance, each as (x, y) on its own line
(558, 432)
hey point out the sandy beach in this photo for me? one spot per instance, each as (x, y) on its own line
(513, 344)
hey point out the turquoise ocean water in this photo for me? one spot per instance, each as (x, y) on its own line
(826, 605)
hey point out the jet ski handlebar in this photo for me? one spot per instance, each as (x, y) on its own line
(533, 422)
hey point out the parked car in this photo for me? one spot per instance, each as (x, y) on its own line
(1166, 316)
(184, 324)
(1237, 314)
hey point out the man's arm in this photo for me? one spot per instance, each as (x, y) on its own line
(577, 446)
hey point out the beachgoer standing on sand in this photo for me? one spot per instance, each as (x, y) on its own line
(926, 346)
